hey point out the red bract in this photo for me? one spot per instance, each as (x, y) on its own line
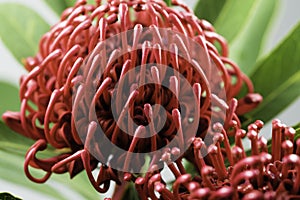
(47, 107)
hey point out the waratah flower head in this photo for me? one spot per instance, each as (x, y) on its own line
(145, 39)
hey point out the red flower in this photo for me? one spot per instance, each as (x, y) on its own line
(47, 112)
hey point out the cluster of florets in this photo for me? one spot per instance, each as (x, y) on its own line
(47, 112)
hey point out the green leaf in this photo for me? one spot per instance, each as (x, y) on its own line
(71, 3)
(246, 46)
(209, 9)
(21, 29)
(80, 184)
(243, 24)
(18, 144)
(168, 2)
(277, 78)
(12, 151)
(11, 167)
(13, 142)
(233, 17)
(7, 196)
(58, 6)
(130, 193)
(190, 168)
(9, 101)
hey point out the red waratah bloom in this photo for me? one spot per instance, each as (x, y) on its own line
(50, 108)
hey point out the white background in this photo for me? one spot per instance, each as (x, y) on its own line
(10, 70)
